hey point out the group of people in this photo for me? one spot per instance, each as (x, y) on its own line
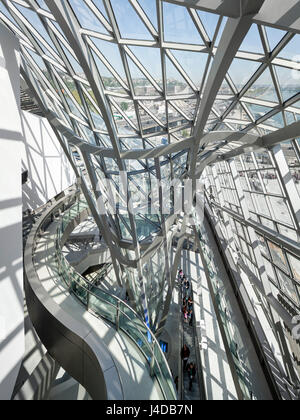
(190, 368)
(188, 315)
(187, 302)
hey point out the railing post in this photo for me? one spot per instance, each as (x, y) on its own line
(88, 297)
(152, 361)
(118, 316)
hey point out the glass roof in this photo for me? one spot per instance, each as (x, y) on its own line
(152, 67)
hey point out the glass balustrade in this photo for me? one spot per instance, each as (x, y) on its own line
(114, 310)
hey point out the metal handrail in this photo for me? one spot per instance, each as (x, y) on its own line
(72, 274)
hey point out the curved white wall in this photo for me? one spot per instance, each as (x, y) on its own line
(48, 168)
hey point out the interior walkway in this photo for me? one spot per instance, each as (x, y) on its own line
(217, 372)
(131, 366)
(189, 340)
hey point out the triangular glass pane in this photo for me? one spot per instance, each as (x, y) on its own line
(252, 42)
(238, 127)
(43, 5)
(209, 21)
(87, 134)
(263, 88)
(122, 125)
(99, 4)
(150, 58)
(221, 105)
(178, 25)
(157, 108)
(183, 134)
(248, 161)
(136, 29)
(276, 121)
(149, 125)
(290, 118)
(69, 91)
(291, 50)
(223, 127)
(187, 106)
(96, 117)
(274, 36)
(132, 143)
(238, 113)
(175, 82)
(226, 89)
(241, 71)
(73, 62)
(192, 63)
(109, 81)
(112, 54)
(128, 108)
(142, 85)
(175, 118)
(210, 126)
(73, 109)
(39, 62)
(37, 24)
(86, 17)
(296, 104)
(289, 82)
(149, 7)
(212, 117)
(172, 112)
(258, 111)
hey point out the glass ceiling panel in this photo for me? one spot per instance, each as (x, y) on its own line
(274, 36)
(179, 26)
(149, 7)
(252, 42)
(263, 88)
(150, 58)
(209, 21)
(132, 27)
(291, 50)
(86, 17)
(241, 71)
(193, 64)
(289, 82)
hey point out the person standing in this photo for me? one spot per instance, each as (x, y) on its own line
(185, 354)
(187, 285)
(184, 286)
(191, 316)
(192, 373)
